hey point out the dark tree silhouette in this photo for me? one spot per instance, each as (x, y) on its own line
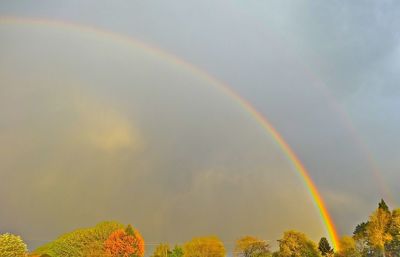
(324, 247)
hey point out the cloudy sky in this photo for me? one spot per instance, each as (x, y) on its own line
(96, 128)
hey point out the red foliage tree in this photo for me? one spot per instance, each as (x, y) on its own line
(123, 244)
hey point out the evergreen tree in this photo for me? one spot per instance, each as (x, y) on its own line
(360, 236)
(361, 229)
(383, 206)
(324, 247)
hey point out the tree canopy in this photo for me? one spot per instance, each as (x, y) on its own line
(79, 242)
(210, 246)
(347, 248)
(379, 236)
(250, 246)
(162, 250)
(122, 244)
(12, 246)
(296, 244)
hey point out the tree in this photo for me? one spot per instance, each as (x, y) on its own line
(347, 248)
(393, 247)
(81, 242)
(360, 237)
(162, 250)
(324, 247)
(121, 244)
(129, 230)
(395, 224)
(379, 235)
(378, 229)
(296, 244)
(383, 206)
(12, 246)
(177, 251)
(94, 250)
(249, 246)
(204, 247)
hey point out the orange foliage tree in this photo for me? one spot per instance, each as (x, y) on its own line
(124, 243)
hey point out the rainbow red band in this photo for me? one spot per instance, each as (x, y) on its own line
(263, 121)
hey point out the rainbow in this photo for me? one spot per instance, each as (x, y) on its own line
(246, 105)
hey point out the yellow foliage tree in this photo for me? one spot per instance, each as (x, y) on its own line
(395, 224)
(204, 247)
(347, 248)
(12, 246)
(393, 248)
(296, 244)
(162, 250)
(250, 246)
(378, 229)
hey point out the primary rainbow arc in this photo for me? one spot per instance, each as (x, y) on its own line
(262, 120)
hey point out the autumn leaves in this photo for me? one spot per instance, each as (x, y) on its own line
(379, 236)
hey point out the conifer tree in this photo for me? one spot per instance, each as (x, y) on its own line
(324, 247)
(383, 206)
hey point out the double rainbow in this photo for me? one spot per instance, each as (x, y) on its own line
(262, 120)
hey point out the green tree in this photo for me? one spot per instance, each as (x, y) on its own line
(324, 247)
(12, 246)
(81, 242)
(249, 246)
(347, 248)
(296, 244)
(383, 206)
(204, 247)
(360, 237)
(177, 252)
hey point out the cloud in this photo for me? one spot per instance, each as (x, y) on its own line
(104, 127)
(348, 208)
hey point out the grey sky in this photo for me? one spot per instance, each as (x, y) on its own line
(325, 74)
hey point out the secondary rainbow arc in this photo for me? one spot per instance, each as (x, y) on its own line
(262, 120)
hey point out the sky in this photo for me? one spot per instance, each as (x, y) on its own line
(94, 128)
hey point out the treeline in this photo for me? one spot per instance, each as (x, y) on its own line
(379, 236)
